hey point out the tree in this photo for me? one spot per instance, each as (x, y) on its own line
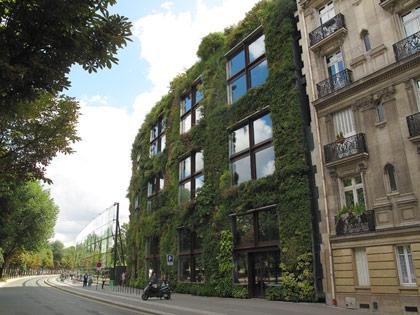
(69, 260)
(27, 221)
(31, 138)
(57, 249)
(41, 40)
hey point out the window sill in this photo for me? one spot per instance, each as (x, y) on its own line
(409, 287)
(380, 124)
(362, 288)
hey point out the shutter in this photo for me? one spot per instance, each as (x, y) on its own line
(362, 267)
(344, 123)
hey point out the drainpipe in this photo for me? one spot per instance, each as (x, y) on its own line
(321, 163)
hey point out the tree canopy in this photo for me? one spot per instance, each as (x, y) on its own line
(42, 39)
(27, 221)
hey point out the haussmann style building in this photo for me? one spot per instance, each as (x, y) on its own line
(362, 72)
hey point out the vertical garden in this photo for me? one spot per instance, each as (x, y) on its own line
(158, 218)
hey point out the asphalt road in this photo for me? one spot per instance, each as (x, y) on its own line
(34, 296)
(31, 296)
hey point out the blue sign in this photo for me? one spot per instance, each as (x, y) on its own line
(170, 260)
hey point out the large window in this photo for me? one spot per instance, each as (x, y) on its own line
(251, 150)
(246, 68)
(152, 255)
(191, 177)
(157, 137)
(190, 265)
(191, 112)
(326, 12)
(154, 187)
(411, 21)
(344, 123)
(353, 191)
(406, 268)
(256, 227)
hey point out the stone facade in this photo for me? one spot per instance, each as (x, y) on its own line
(362, 68)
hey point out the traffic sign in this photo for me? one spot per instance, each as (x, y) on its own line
(170, 260)
(98, 265)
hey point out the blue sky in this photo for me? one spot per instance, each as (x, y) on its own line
(114, 102)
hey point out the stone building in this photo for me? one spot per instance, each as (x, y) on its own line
(362, 68)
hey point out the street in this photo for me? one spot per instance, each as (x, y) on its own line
(45, 295)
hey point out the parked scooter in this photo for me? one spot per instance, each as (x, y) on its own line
(161, 292)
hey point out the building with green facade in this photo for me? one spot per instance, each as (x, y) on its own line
(221, 173)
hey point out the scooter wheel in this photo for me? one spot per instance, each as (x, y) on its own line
(144, 297)
(168, 296)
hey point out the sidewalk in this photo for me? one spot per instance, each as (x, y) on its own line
(187, 304)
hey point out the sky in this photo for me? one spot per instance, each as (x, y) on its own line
(114, 102)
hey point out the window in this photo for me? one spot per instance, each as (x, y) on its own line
(353, 191)
(154, 187)
(136, 201)
(251, 150)
(366, 41)
(380, 112)
(362, 267)
(256, 227)
(190, 265)
(390, 176)
(152, 255)
(405, 265)
(326, 12)
(138, 162)
(191, 111)
(335, 64)
(191, 177)
(418, 94)
(157, 137)
(411, 22)
(344, 123)
(246, 69)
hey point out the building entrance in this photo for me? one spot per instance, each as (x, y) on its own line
(264, 272)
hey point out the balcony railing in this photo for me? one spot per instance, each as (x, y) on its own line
(413, 122)
(407, 47)
(348, 147)
(326, 29)
(355, 224)
(334, 83)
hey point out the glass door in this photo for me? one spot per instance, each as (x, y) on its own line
(411, 22)
(335, 66)
(326, 13)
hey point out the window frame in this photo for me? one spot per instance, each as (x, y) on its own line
(365, 264)
(193, 253)
(412, 281)
(152, 196)
(387, 168)
(191, 178)
(253, 148)
(160, 138)
(248, 66)
(354, 187)
(195, 106)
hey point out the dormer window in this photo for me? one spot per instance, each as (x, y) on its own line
(190, 109)
(246, 67)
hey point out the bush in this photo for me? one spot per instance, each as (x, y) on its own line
(240, 292)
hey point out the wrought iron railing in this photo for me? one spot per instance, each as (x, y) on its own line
(407, 47)
(326, 29)
(413, 122)
(344, 148)
(355, 224)
(334, 83)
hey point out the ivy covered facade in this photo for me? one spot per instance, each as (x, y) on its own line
(221, 176)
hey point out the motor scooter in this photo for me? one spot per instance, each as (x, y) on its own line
(163, 291)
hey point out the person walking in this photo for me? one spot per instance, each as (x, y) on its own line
(123, 279)
(85, 280)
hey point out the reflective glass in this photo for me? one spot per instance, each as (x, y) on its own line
(349, 197)
(186, 105)
(185, 124)
(347, 182)
(259, 74)
(360, 196)
(257, 48)
(237, 88)
(358, 179)
(198, 114)
(236, 64)
(161, 183)
(240, 268)
(185, 268)
(198, 95)
(199, 182)
(185, 192)
(185, 168)
(263, 129)
(264, 160)
(245, 229)
(184, 240)
(162, 143)
(239, 140)
(241, 170)
(153, 148)
(268, 227)
(199, 161)
(149, 189)
(199, 268)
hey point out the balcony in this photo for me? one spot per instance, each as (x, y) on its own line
(334, 83)
(407, 47)
(350, 146)
(330, 27)
(355, 224)
(413, 122)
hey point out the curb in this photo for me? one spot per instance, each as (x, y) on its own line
(98, 299)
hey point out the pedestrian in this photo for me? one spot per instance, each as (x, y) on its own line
(103, 280)
(123, 279)
(85, 280)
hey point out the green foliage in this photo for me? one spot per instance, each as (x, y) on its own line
(296, 283)
(240, 292)
(57, 249)
(208, 214)
(31, 139)
(352, 210)
(43, 39)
